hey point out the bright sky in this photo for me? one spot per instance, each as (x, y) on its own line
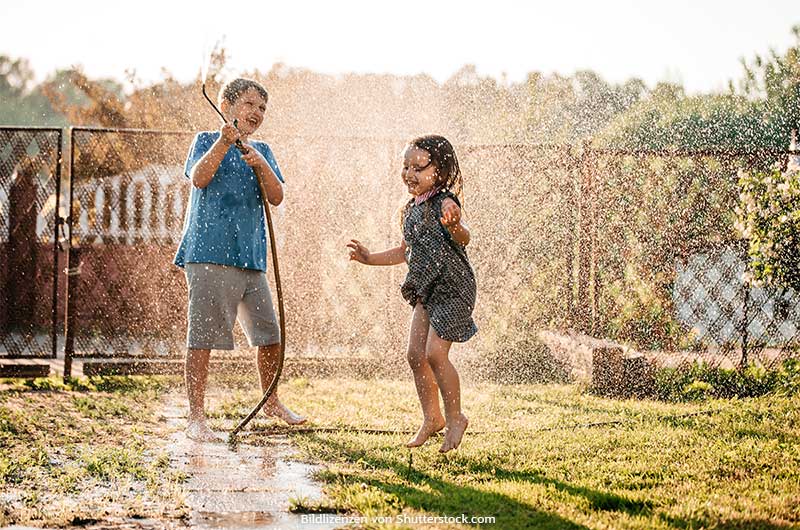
(696, 42)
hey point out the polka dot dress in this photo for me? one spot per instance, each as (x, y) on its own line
(439, 273)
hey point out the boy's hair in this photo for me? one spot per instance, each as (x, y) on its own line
(443, 156)
(232, 90)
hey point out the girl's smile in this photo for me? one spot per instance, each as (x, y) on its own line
(419, 174)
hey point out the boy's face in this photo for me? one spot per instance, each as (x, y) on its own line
(248, 110)
(419, 174)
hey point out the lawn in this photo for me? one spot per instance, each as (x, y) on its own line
(90, 451)
(553, 456)
(535, 456)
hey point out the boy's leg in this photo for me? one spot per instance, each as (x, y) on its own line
(260, 325)
(450, 386)
(268, 357)
(196, 375)
(211, 316)
(424, 380)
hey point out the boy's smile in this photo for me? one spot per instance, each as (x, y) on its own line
(248, 110)
(419, 174)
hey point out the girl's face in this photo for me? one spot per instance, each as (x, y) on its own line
(248, 110)
(419, 174)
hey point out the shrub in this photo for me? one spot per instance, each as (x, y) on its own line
(769, 218)
(701, 381)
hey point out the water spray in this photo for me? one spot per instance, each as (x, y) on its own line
(263, 188)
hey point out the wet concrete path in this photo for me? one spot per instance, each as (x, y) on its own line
(243, 487)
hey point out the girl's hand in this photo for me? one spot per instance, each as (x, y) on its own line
(358, 252)
(229, 134)
(253, 158)
(451, 213)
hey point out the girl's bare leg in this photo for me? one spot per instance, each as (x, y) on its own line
(450, 386)
(424, 380)
(267, 366)
(196, 377)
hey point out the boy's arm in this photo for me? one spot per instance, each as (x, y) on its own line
(204, 170)
(268, 182)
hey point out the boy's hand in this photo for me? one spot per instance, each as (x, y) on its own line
(229, 134)
(358, 252)
(253, 158)
(451, 213)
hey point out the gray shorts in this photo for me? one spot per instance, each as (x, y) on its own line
(218, 296)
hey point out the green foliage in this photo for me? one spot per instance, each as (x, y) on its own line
(98, 409)
(23, 103)
(569, 109)
(697, 390)
(702, 381)
(654, 212)
(107, 462)
(549, 456)
(769, 218)
(758, 112)
(104, 383)
(773, 84)
(668, 119)
(641, 314)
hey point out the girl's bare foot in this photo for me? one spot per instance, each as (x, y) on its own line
(425, 431)
(198, 431)
(277, 409)
(454, 433)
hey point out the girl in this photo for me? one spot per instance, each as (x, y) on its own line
(440, 284)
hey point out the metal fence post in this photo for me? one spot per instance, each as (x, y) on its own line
(585, 241)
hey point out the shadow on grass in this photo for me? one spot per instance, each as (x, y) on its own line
(422, 491)
(598, 500)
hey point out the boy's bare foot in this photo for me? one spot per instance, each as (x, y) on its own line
(277, 409)
(427, 429)
(198, 431)
(454, 433)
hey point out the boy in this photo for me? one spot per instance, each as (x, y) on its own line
(223, 249)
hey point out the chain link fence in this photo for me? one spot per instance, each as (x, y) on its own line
(635, 247)
(30, 179)
(668, 266)
(128, 196)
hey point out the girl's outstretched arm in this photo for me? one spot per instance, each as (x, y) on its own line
(454, 222)
(361, 254)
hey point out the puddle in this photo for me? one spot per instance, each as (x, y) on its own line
(246, 487)
(232, 520)
(253, 521)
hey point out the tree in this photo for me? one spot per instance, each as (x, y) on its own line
(23, 103)
(758, 112)
(769, 218)
(773, 84)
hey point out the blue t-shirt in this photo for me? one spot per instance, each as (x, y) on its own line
(224, 223)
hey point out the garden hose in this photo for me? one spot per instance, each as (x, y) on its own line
(271, 388)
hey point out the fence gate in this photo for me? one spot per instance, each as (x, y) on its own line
(30, 180)
(127, 198)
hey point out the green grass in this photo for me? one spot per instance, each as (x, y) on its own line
(554, 457)
(83, 451)
(535, 456)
